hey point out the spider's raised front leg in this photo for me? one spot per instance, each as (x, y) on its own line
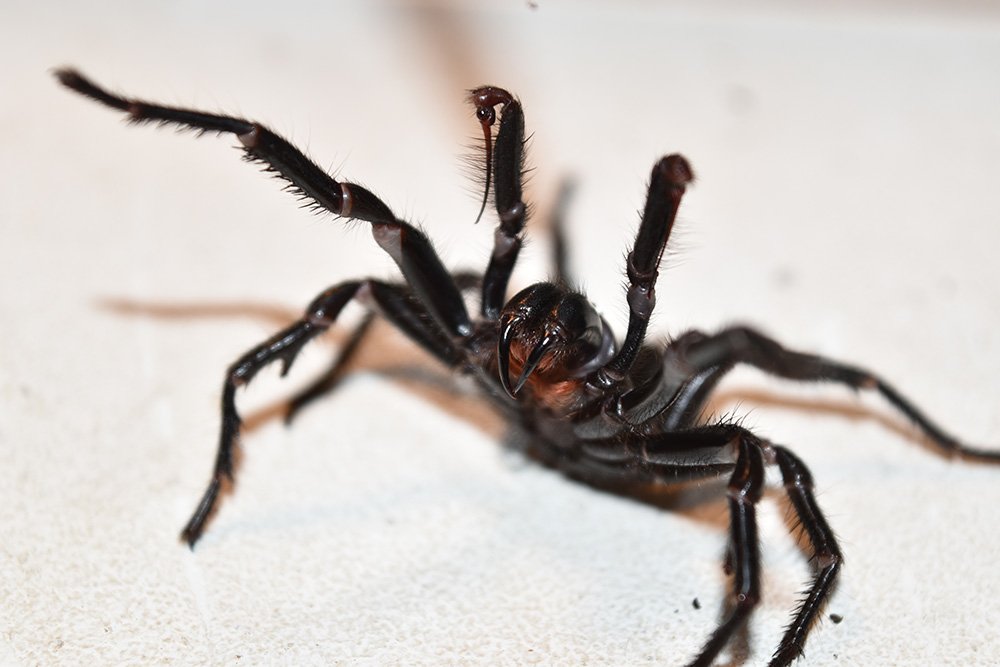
(394, 302)
(666, 188)
(710, 451)
(408, 246)
(705, 359)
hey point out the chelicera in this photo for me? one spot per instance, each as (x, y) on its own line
(603, 410)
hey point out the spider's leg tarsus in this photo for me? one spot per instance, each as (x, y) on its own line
(950, 444)
(716, 355)
(74, 80)
(192, 531)
(284, 345)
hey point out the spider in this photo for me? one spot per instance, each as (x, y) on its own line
(603, 411)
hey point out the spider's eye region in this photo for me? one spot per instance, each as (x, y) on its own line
(577, 320)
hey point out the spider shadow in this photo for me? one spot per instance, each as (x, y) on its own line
(386, 353)
(275, 315)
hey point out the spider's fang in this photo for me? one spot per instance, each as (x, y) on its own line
(531, 363)
(503, 356)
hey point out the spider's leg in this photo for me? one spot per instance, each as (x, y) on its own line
(393, 302)
(744, 490)
(329, 380)
(825, 558)
(710, 357)
(691, 454)
(708, 451)
(408, 246)
(505, 157)
(666, 188)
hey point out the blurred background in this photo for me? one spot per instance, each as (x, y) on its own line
(846, 203)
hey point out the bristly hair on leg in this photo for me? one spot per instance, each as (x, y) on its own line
(475, 164)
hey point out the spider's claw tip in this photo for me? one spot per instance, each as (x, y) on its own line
(503, 358)
(188, 538)
(530, 364)
(520, 381)
(533, 360)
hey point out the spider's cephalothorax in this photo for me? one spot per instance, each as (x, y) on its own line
(597, 408)
(552, 339)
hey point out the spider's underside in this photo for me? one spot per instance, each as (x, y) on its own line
(601, 410)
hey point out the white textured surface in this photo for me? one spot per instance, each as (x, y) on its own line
(847, 202)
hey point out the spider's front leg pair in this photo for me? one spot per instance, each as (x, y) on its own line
(429, 308)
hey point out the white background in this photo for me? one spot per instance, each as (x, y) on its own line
(847, 202)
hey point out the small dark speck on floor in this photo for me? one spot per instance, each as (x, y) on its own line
(836, 618)
(695, 603)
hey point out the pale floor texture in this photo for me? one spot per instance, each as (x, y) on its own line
(847, 202)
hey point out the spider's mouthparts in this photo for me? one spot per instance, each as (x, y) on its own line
(530, 363)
